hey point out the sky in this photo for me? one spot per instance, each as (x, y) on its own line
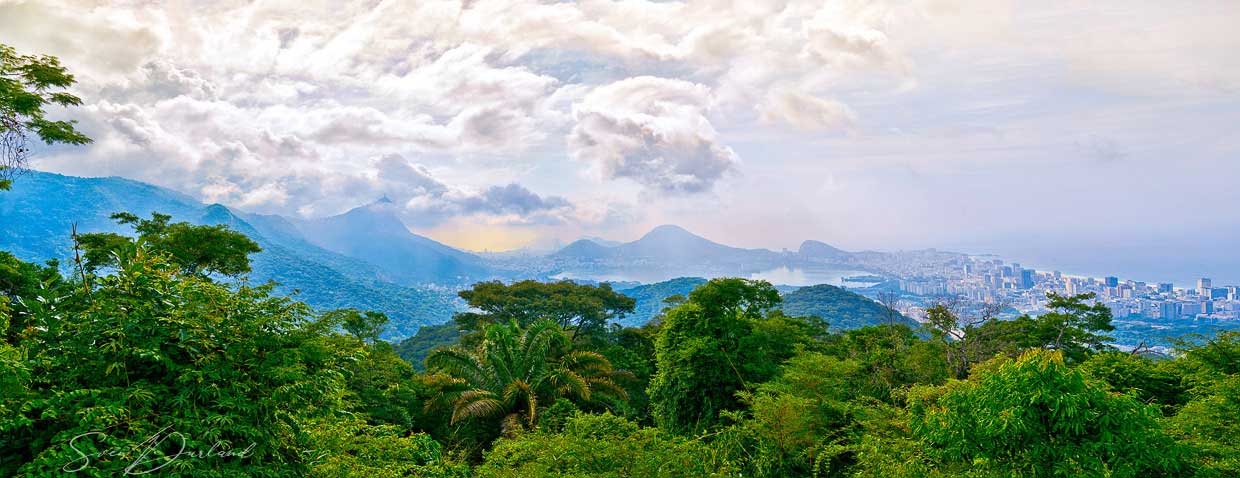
(1093, 137)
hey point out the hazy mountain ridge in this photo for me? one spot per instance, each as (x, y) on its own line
(367, 258)
(375, 234)
(669, 251)
(322, 278)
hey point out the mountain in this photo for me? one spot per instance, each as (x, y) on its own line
(821, 251)
(586, 249)
(650, 298)
(840, 308)
(37, 216)
(373, 233)
(673, 243)
(665, 252)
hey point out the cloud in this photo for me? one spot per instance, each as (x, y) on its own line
(806, 112)
(653, 131)
(425, 201)
(246, 92)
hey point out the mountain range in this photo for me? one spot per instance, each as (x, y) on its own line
(367, 258)
(38, 215)
(669, 251)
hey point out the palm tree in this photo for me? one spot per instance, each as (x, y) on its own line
(515, 369)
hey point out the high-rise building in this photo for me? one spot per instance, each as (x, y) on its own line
(1169, 310)
(1112, 281)
(1026, 278)
(1166, 288)
(1203, 287)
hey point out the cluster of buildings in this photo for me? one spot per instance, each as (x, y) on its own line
(988, 280)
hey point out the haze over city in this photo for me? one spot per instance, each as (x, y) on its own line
(1093, 138)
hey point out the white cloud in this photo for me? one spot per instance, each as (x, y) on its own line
(268, 90)
(653, 131)
(806, 112)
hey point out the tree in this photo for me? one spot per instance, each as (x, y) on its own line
(1036, 417)
(803, 423)
(149, 351)
(1150, 381)
(1072, 325)
(19, 282)
(891, 357)
(515, 371)
(631, 349)
(197, 250)
(429, 337)
(700, 358)
(366, 326)
(1207, 422)
(961, 335)
(580, 308)
(28, 84)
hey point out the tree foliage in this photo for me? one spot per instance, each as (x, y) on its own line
(581, 309)
(197, 250)
(148, 351)
(1037, 417)
(516, 371)
(28, 85)
(702, 355)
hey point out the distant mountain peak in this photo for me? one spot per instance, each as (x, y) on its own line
(669, 231)
(820, 250)
(382, 209)
(584, 249)
(376, 234)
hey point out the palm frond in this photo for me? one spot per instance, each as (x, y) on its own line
(520, 390)
(445, 393)
(568, 382)
(458, 362)
(607, 387)
(588, 363)
(476, 404)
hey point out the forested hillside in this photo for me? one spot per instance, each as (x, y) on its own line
(841, 308)
(651, 298)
